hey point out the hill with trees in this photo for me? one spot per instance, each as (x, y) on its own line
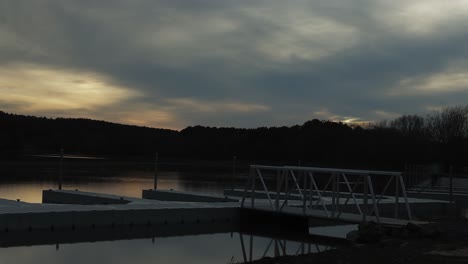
(440, 137)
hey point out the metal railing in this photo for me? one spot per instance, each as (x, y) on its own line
(327, 189)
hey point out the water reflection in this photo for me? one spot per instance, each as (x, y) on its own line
(128, 183)
(226, 247)
(254, 247)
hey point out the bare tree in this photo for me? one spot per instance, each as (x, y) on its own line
(409, 124)
(449, 124)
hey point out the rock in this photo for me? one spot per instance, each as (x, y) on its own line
(353, 236)
(391, 242)
(430, 232)
(370, 232)
(422, 231)
(414, 228)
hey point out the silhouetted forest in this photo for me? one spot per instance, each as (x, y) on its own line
(439, 137)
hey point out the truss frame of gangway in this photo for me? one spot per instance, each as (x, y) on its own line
(307, 178)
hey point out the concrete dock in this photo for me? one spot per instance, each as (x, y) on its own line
(68, 216)
(69, 209)
(178, 196)
(64, 210)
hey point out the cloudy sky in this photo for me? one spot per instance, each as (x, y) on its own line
(242, 63)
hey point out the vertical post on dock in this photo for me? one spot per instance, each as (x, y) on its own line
(234, 159)
(156, 160)
(397, 196)
(333, 175)
(451, 184)
(60, 170)
(366, 192)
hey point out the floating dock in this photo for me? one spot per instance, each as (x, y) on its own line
(74, 209)
(177, 196)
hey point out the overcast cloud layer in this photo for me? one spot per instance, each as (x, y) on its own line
(232, 63)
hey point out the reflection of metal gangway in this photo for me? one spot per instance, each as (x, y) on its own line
(327, 192)
(279, 246)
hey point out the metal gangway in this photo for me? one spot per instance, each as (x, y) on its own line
(327, 190)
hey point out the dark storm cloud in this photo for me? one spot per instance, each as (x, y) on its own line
(244, 63)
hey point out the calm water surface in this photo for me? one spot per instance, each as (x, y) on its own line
(126, 183)
(213, 248)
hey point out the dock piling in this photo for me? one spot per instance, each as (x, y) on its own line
(60, 170)
(156, 161)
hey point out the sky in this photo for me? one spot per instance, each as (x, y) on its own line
(242, 63)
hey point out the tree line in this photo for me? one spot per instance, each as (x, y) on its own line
(439, 137)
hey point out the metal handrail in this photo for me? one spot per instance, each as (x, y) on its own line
(287, 173)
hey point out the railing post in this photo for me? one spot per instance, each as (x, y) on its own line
(405, 196)
(397, 197)
(278, 189)
(304, 195)
(254, 174)
(338, 183)
(333, 176)
(374, 200)
(246, 189)
(366, 191)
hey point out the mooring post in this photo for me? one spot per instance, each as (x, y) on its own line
(156, 160)
(60, 170)
(234, 159)
(451, 184)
